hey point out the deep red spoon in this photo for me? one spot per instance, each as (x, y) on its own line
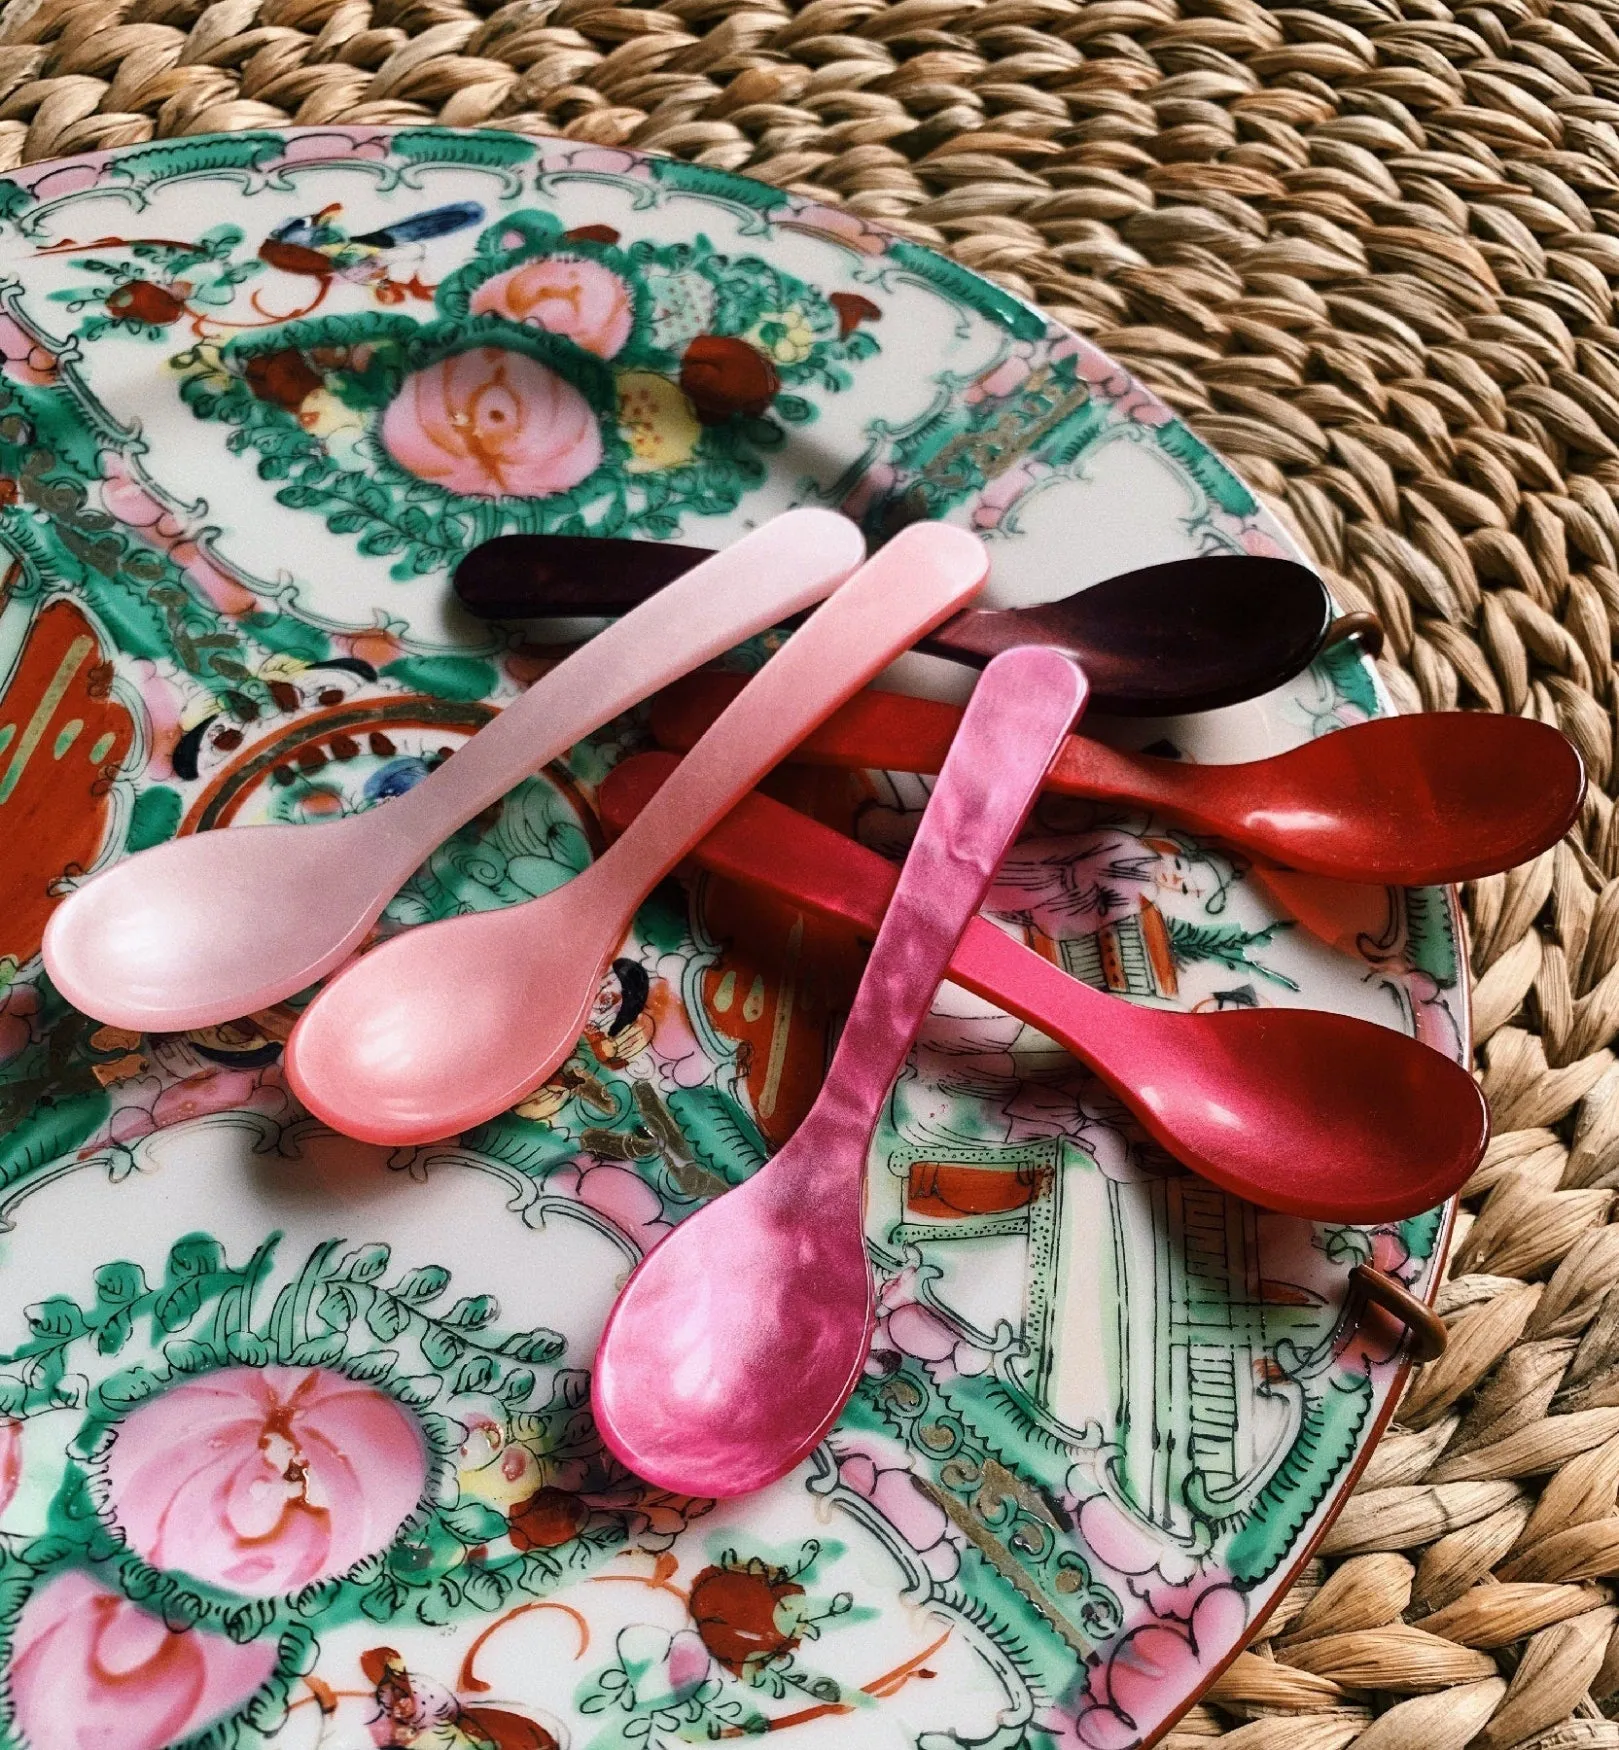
(1313, 1114)
(1187, 636)
(1406, 801)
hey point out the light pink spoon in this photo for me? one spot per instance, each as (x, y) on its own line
(207, 928)
(445, 1026)
(740, 1337)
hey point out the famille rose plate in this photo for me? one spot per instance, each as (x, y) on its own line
(295, 1443)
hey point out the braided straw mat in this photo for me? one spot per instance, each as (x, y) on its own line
(1369, 248)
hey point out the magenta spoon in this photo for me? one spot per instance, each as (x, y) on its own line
(201, 930)
(443, 1027)
(738, 1340)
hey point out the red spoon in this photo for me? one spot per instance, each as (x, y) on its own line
(1313, 1114)
(1406, 801)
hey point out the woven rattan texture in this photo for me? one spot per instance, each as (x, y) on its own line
(1370, 248)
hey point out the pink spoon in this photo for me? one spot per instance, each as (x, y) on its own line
(740, 1337)
(447, 1025)
(207, 928)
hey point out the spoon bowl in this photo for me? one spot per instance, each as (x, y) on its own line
(161, 943)
(429, 1043)
(1412, 801)
(1313, 1114)
(688, 1379)
(1189, 635)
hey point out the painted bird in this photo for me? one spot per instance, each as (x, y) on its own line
(318, 247)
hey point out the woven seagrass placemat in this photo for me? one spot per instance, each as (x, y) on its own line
(1369, 248)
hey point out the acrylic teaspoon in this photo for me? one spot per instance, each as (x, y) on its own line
(1310, 1113)
(739, 1338)
(1189, 635)
(1408, 801)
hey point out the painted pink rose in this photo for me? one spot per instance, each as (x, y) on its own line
(492, 424)
(623, 1197)
(892, 1490)
(1153, 1667)
(580, 300)
(144, 1104)
(264, 1479)
(89, 1669)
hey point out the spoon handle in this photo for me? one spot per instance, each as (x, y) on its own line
(526, 577)
(795, 560)
(1009, 734)
(896, 732)
(923, 574)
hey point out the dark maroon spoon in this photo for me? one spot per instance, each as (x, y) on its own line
(1186, 636)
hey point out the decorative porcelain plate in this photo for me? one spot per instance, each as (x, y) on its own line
(295, 1447)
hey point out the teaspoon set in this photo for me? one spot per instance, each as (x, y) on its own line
(740, 1337)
